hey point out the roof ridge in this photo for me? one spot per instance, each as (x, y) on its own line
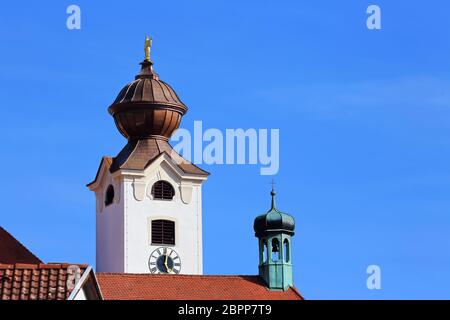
(179, 275)
(130, 155)
(158, 146)
(185, 161)
(297, 292)
(40, 265)
(104, 159)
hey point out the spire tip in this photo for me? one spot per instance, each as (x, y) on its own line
(273, 193)
(147, 47)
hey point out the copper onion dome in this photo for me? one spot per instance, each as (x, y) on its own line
(147, 107)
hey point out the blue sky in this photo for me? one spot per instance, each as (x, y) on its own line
(364, 119)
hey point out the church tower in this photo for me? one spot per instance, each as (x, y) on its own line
(148, 198)
(274, 230)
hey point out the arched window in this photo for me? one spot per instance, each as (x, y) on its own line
(265, 250)
(109, 197)
(286, 250)
(162, 190)
(275, 250)
(163, 232)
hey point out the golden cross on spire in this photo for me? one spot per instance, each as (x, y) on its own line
(147, 47)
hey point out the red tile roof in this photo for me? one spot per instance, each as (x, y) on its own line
(120, 286)
(34, 281)
(12, 251)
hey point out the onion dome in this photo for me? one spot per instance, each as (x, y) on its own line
(147, 107)
(274, 221)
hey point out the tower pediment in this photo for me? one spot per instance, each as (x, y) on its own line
(137, 156)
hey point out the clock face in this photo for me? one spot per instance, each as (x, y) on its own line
(164, 260)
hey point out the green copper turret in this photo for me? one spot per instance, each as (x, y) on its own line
(274, 230)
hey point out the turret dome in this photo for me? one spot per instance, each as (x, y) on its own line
(274, 221)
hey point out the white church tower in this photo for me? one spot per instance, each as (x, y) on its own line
(148, 198)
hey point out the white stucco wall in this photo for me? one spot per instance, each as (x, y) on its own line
(110, 228)
(124, 230)
(80, 295)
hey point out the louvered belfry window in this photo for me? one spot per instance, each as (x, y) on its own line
(163, 232)
(162, 190)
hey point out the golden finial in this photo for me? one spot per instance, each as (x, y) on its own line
(147, 47)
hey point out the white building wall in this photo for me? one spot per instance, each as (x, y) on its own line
(80, 295)
(124, 227)
(110, 230)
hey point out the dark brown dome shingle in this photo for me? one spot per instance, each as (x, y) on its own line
(147, 107)
(149, 90)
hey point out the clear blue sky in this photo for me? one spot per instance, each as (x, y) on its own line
(364, 120)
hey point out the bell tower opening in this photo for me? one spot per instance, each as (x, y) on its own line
(109, 197)
(162, 190)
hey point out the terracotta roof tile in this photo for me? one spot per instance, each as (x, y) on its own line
(120, 286)
(12, 251)
(34, 281)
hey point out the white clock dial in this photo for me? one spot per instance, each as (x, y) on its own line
(164, 260)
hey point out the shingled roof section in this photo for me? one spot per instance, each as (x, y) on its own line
(35, 281)
(12, 251)
(139, 154)
(120, 286)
